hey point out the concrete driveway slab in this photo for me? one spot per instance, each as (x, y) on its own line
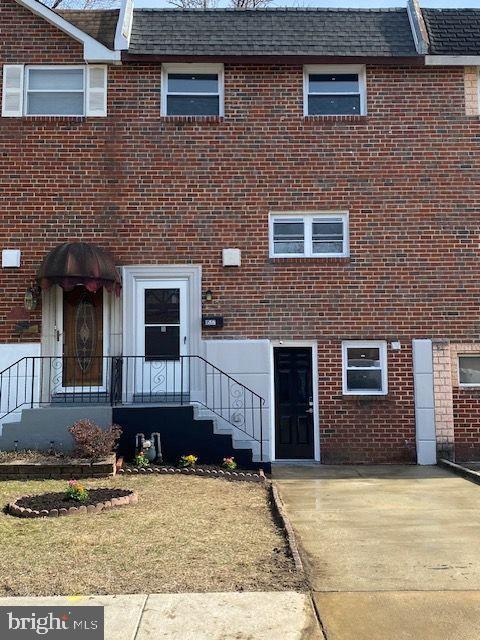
(451, 615)
(384, 528)
(229, 616)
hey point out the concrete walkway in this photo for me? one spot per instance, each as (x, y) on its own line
(198, 616)
(391, 552)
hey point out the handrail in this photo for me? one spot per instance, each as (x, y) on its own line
(115, 380)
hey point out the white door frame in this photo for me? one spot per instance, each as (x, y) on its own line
(137, 274)
(58, 344)
(312, 344)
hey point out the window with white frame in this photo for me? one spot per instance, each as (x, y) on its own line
(364, 368)
(54, 90)
(311, 235)
(469, 370)
(192, 90)
(331, 91)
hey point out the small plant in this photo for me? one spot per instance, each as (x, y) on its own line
(76, 491)
(141, 460)
(188, 461)
(229, 463)
(93, 442)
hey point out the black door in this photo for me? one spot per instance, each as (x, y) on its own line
(293, 403)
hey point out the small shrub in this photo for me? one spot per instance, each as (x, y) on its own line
(188, 461)
(76, 491)
(229, 463)
(141, 460)
(93, 442)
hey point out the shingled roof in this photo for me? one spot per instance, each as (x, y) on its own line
(453, 31)
(100, 24)
(272, 32)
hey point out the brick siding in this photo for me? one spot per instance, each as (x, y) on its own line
(176, 190)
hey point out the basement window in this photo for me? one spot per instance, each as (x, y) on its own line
(334, 90)
(364, 368)
(192, 90)
(469, 370)
(312, 235)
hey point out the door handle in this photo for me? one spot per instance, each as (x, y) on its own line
(309, 410)
(184, 339)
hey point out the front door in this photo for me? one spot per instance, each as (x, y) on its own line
(82, 339)
(162, 339)
(293, 403)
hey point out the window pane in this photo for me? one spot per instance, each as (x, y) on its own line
(193, 105)
(288, 237)
(59, 79)
(469, 370)
(363, 357)
(162, 306)
(55, 104)
(327, 247)
(333, 83)
(333, 105)
(364, 380)
(162, 342)
(326, 229)
(193, 82)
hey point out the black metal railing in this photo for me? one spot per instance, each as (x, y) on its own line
(121, 380)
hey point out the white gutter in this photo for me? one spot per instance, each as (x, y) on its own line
(93, 51)
(452, 61)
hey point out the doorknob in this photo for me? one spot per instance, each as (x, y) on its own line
(309, 410)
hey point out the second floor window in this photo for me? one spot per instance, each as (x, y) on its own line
(54, 90)
(331, 91)
(311, 235)
(192, 90)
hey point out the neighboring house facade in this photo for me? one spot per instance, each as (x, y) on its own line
(278, 220)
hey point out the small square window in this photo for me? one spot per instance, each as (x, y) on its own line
(334, 90)
(364, 368)
(469, 370)
(310, 235)
(192, 91)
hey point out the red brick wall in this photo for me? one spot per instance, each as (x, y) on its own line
(156, 190)
(466, 414)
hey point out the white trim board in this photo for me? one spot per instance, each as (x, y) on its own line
(134, 274)
(316, 408)
(93, 51)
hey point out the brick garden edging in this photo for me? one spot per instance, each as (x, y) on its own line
(62, 471)
(243, 476)
(22, 512)
(287, 527)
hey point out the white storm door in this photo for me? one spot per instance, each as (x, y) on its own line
(162, 340)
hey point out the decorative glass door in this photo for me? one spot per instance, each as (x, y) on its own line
(162, 339)
(82, 349)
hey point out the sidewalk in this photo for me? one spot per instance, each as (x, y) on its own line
(198, 616)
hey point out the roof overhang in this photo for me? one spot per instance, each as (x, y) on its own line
(414, 61)
(93, 51)
(452, 61)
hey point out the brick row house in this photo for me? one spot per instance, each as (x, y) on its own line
(254, 232)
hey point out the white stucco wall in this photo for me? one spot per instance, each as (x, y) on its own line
(19, 388)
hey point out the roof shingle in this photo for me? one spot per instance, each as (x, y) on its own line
(100, 24)
(453, 31)
(272, 32)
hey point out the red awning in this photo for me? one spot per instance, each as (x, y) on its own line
(79, 263)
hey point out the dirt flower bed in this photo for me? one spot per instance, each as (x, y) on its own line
(185, 534)
(57, 500)
(28, 456)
